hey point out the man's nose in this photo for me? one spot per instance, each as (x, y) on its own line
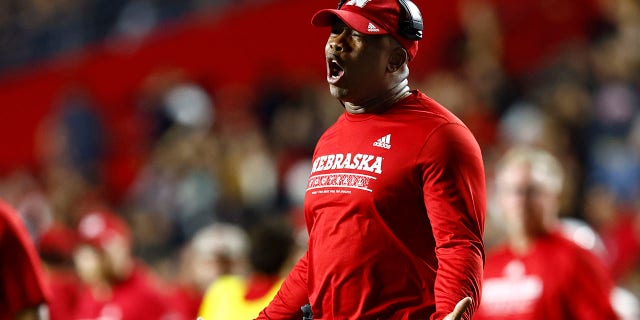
(337, 43)
(336, 46)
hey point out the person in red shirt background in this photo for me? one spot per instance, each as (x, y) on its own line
(56, 246)
(539, 273)
(23, 291)
(395, 204)
(118, 287)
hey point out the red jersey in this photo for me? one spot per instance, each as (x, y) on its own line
(395, 209)
(65, 286)
(136, 298)
(22, 281)
(555, 280)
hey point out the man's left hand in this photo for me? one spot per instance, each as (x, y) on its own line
(460, 308)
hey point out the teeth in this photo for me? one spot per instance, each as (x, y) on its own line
(335, 69)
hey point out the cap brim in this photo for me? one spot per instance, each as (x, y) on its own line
(324, 18)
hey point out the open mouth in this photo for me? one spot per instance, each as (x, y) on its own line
(334, 71)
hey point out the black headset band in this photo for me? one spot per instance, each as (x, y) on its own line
(410, 25)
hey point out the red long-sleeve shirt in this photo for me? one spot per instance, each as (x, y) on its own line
(395, 210)
(556, 279)
(135, 298)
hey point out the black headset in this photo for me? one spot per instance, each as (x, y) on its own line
(410, 24)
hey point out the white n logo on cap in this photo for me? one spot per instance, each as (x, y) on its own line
(357, 3)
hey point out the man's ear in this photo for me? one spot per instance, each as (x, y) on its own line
(397, 59)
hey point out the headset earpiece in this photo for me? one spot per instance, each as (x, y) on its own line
(410, 25)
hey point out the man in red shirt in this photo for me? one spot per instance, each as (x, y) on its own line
(395, 203)
(56, 245)
(23, 293)
(117, 286)
(539, 273)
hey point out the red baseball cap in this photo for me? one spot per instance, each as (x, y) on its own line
(57, 243)
(97, 228)
(375, 17)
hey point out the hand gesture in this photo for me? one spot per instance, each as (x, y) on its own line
(460, 308)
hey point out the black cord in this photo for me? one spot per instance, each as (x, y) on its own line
(306, 312)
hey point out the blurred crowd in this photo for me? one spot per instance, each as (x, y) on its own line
(580, 101)
(34, 30)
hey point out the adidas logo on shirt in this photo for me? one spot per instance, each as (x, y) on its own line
(372, 28)
(384, 142)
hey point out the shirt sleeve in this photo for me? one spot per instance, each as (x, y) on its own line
(454, 192)
(292, 295)
(22, 282)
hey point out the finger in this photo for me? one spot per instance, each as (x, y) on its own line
(459, 309)
(462, 306)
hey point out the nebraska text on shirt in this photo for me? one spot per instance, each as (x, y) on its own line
(364, 162)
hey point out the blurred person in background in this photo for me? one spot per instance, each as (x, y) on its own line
(177, 190)
(243, 296)
(395, 203)
(626, 305)
(117, 285)
(56, 246)
(217, 250)
(24, 293)
(619, 229)
(538, 273)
